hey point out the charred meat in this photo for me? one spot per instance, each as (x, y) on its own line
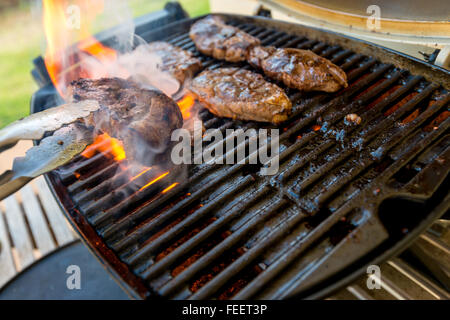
(296, 68)
(300, 69)
(131, 114)
(241, 94)
(215, 38)
(176, 61)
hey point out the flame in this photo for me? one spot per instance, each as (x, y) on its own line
(316, 127)
(106, 145)
(61, 31)
(154, 180)
(186, 104)
(140, 174)
(53, 15)
(173, 185)
(93, 47)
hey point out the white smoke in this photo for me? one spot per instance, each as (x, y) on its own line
(111, 17)
(111, 20)
(143, 67)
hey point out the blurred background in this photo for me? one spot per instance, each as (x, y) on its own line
(22, 39)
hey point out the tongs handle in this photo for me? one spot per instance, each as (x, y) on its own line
(52, 152)
(36, 125)
(9, 186)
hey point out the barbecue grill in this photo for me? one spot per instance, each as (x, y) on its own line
(345, 197)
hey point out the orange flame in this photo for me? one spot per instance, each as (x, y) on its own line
(141, 173)
(106, 145)
(154, 180)
(61, 32)
(173, 185)
(186, 104)
(95, 48)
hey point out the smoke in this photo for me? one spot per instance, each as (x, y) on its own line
(71, 52)
(143, 67)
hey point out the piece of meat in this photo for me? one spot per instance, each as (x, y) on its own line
(214, 38)
(241, 94)
(176, 61)
(299, 69)
(142, 119)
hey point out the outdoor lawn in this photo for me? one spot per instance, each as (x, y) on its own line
(22, 40)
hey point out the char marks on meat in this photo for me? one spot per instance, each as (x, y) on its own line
(300, 69)
(215, 38)
(130, 113)
(241, 94)
(176, 61)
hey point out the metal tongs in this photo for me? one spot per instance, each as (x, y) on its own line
(70, 137)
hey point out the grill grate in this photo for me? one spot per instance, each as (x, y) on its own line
(227, 232)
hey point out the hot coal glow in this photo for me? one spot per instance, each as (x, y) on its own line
(173, 185)
(154, 180)
(113, 149)
(141, 173)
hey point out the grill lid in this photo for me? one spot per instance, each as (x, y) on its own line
(344, 196)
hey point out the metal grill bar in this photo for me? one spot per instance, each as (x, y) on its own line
(160, 220)
(195, 241)
(199, 214)
(260, 281)
(323, 179)
(228, 243)
(365, 137)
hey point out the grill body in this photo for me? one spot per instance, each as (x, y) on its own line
(345, 197)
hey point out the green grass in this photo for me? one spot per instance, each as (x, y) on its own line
(193, 7)
(21, 37)
(16, 86)
(20, 44)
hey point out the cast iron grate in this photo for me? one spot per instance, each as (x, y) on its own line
(228, 232)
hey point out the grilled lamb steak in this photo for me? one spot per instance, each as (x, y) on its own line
(296, 68)
(299, 69)
(136, 116)
(176, 61)
(241, 94)
(214, 38)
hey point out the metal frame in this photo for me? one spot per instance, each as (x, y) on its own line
(430, 72)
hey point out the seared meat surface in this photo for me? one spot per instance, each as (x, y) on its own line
(300, 69)
(136, 116)
(214, 38)
(241, 94)
(176, 61)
